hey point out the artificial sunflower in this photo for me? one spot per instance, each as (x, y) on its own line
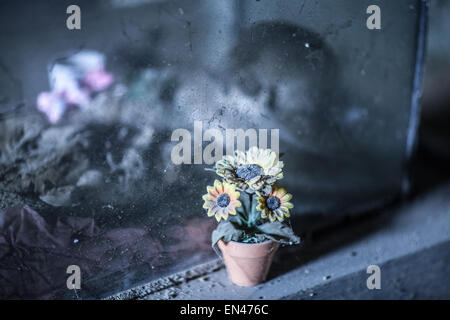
(255, 170)
(221, 200)
(275, 205)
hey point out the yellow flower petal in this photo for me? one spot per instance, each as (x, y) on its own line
(208, 204)
(236, 204)
(287, 205)
(224, 213)
(212, 191)
(212, 211)
(207, 197)
(281, 192)
(218, 186)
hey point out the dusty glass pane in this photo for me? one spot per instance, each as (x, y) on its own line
(87, 177)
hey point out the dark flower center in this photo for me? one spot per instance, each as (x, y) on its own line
(248, 171)
(273, 203)
(223, 200)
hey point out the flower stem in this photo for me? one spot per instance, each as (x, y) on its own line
(253, 214)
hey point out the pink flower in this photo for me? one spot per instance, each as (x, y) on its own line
(75, 96)
(52, 105)
(72, 83)
(98, 79)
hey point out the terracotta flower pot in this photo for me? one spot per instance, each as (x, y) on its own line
(248, 263)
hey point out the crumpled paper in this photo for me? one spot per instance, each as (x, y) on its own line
(36, 249)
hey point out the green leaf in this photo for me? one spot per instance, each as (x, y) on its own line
(238, 220)
(245, 200)
(279, 232)
(227, 231)
(235, 230)
(254, 215)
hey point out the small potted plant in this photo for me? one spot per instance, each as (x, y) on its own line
(251, 210)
